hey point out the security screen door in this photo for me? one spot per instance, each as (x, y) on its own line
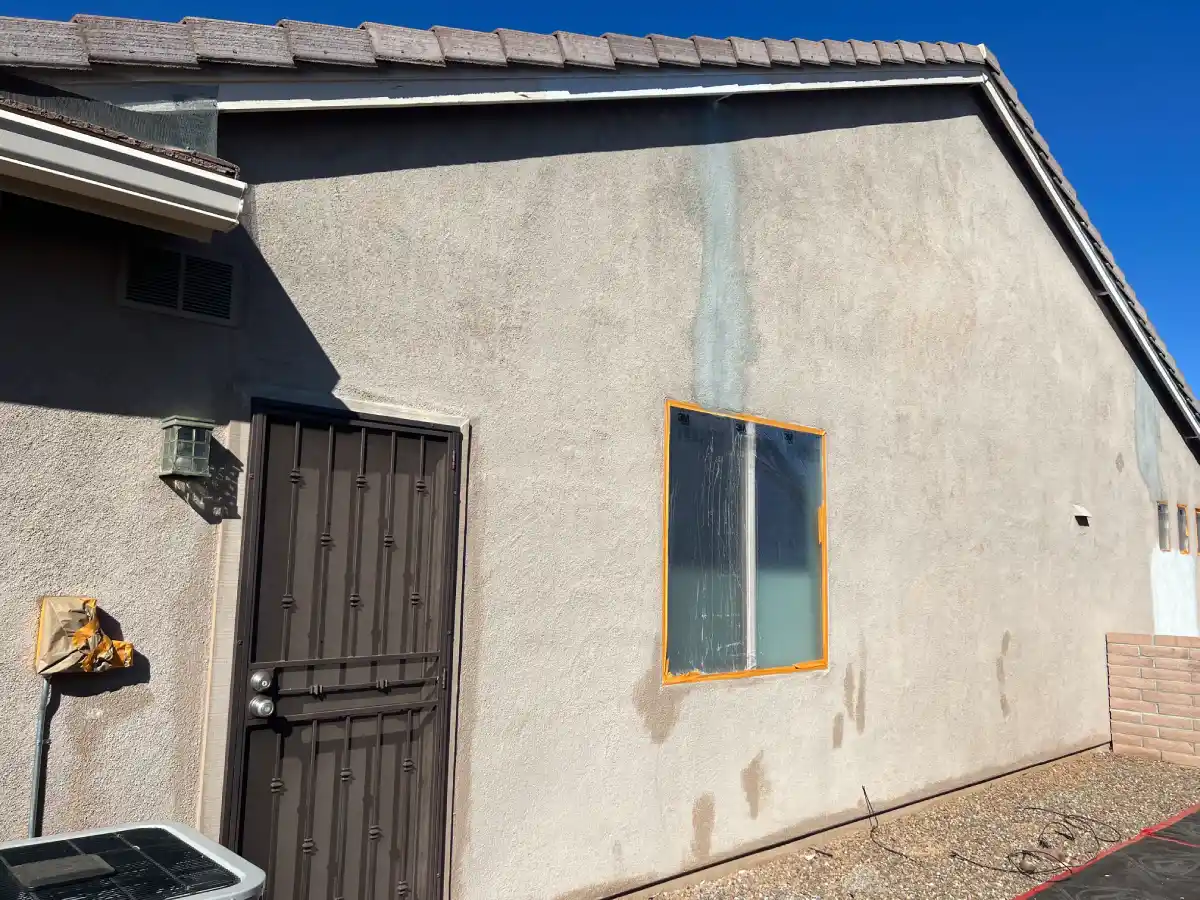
(338, 751)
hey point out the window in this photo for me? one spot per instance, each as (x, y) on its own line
(1184, 537)
(1164, 527)
(744, 555)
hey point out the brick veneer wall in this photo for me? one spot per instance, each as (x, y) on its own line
(1154, 696)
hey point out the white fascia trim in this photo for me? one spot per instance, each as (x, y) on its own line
(453, 89)
(1069, 218)
(78, 163)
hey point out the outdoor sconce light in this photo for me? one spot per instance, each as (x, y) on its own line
(186, 444)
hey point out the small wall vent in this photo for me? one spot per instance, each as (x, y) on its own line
(196, 287)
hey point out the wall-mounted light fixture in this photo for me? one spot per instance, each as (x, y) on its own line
(186, 445)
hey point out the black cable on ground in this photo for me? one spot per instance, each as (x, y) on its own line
(1068, 826)
(874, 819)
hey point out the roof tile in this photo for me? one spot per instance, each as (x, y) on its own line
(239, 42)
(674, 51)
(952, 51)
(911, 51)
(529, 48)
(751, 53)
(890, 53)
(812, 53)
(839, 52)
(632, 51)
(714, 52)
(479, 47)
(329, 44)
(865, 52)
(415, 46)
(585, 50)
(972, 54)
(933, 53)
(137, 41)
(782, 53)
(32, 42)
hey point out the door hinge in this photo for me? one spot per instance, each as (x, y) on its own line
(442, 680)
(453, 459)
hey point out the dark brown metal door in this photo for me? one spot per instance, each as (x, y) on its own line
(345, 627)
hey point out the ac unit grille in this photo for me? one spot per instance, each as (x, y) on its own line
(195, 286)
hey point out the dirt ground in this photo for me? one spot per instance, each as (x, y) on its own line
(990, 844)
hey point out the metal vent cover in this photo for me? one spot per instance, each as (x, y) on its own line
(171, 280)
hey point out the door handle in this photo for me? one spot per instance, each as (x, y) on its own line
(262, 707)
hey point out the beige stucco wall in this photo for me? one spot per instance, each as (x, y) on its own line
(869, 263)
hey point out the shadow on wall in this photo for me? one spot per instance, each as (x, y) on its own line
(355, 142)
(66, 343)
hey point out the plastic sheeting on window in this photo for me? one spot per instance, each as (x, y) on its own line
(744, 559)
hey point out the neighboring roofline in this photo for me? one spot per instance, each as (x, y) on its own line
(48, 160)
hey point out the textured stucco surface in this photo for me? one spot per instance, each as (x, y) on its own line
(86, 515)
(869, 263)
(886, 278)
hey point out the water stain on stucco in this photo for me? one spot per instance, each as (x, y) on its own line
(704, 820)
(1001, 676)
(1147, 437)
(721, 331)
(839, 730)
(755, 784)
(860, 705)
(657, 704)
(1120, 462)
(848, 690)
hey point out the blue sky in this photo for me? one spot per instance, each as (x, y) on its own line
(1109, 84)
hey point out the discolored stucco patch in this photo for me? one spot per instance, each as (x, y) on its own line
(848, 690)
(721, 334)
(839, 730)
(1147, 436)
(1120, 462)
(755, 785)
(860, 702)
(657, 704)
(704, 820)
(1001, 675)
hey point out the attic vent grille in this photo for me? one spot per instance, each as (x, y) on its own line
(168, 280)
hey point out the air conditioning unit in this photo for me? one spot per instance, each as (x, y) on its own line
(138, 862)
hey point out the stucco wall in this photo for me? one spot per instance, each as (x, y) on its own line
(881, 272)
(869, 263)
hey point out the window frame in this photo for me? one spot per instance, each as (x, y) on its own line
(669, 408)
(1184, 537)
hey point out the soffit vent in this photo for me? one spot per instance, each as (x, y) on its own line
(172, 281)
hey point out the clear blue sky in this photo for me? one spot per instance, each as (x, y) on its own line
(1110, 85)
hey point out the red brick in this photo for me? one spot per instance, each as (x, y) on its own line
(1126, 728)
(1134, 706)
(1128, 672)
(1172, 734)
(1124, 650)
(1194, 654)
(1168, 746)
(1141, 684)
(1181, 759)
(1177, 722)
(1142, 752)
(1127, 740)
(1123, 693)
(1120, 715)
(1163, 652)
(1159, 697)
(1165, 709)
(1189, 665)
(1123, 637)
(1171, 640)
(1174, 687)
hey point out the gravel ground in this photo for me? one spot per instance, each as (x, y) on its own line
(985, 825)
